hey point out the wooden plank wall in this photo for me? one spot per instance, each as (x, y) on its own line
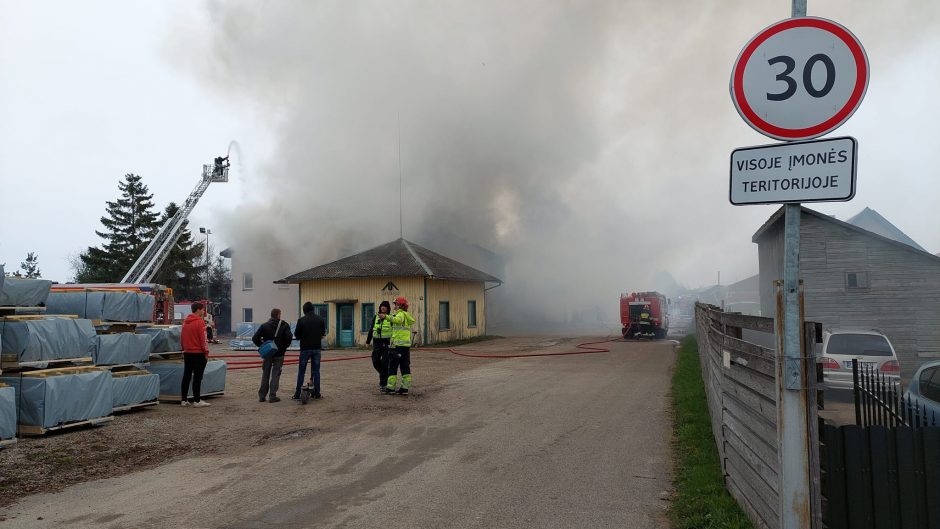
(740, 383)
(741, 387)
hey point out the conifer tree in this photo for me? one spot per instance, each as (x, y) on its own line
(185, 268)
(129, 225)
(30, 267)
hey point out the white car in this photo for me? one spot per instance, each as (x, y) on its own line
(870, 347)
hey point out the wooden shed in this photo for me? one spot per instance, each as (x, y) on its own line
(447, 298)
(856, 278)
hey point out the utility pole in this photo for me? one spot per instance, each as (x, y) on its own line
(401, 222)
(208, 232)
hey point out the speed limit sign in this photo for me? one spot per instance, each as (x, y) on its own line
(799, 78)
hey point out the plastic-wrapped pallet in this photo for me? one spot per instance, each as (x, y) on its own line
(18, 292)
(122, 348)
(47, 339)
(171, 378)
(164, 339)
(49, 401)
(102, 305)
(7, 412)
(130, 389)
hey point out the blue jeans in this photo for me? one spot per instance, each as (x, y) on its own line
(312, 356)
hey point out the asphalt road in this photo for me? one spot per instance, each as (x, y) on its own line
(573, 441)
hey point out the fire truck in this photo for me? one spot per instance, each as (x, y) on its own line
(644, 315)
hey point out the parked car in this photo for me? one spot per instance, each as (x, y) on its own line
(870, 346)
(924, 390)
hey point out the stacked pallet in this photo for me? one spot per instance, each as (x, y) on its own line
(60, 398)
(124, 352)
(46, 363)
(166, 360)
(7, 415)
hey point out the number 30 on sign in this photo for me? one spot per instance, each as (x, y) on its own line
(800, 78)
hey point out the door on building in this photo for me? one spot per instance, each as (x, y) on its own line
(344, 325)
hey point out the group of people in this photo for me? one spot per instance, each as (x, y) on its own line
(390, 336)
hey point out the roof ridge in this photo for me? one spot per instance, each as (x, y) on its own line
(418, 259)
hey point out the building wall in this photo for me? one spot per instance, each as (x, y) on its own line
(365, 290)
(457, 294)
(373, 290)
(902, 299)
(264, 294)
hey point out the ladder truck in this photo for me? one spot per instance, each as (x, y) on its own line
(141, 275)
(148, 264)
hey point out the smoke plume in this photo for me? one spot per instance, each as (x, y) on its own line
(585, 143)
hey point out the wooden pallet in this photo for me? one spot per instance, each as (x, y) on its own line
(177, 355)
(74, 370)
(118, 368)
(7, 442)
(14, 365)
(130, 373)
(176, 398)
(138, 406)
(34, 317)
(10, 311)
(114, 327)
(29, 429)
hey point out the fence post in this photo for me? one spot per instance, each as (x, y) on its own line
(794, 444)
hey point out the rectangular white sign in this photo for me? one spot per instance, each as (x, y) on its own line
(800, 171)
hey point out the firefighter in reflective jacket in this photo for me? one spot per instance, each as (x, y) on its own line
(646, 319)
(400, 354)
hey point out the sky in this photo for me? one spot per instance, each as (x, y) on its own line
(586, 143)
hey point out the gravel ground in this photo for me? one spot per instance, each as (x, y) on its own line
(156, 435)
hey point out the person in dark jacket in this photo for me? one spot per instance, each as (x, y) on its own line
(279, 331)
(380, 335)
(310, 330)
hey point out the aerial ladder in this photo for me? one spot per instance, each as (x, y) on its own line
(148, 264)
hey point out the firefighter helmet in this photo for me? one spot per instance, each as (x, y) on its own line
(401, 302)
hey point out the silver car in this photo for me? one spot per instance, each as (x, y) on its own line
(924, 391)
(870, 346)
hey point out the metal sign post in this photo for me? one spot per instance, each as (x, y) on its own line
(797, 79)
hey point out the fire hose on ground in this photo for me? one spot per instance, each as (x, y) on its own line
(253, 361)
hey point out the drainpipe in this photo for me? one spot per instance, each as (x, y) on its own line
(425, 310)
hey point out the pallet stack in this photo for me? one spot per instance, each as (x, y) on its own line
(125, 353)
(46, 361)
(166, 360)
(7, 415)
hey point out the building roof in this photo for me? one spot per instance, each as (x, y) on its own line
(871, 220)
(399, 258)
(778, 217)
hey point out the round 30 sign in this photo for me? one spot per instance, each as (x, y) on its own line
(800, 78)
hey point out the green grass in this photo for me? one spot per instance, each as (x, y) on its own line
(700, 500)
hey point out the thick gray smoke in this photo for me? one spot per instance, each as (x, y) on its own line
(585, 143)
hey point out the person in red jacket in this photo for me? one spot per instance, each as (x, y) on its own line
(195, 354)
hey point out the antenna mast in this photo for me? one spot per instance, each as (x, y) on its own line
(401, 223)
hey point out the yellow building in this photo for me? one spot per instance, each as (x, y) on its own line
(447, 298)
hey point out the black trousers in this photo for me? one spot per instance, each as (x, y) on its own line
(194, 366)
(399, 357)
(380, 359)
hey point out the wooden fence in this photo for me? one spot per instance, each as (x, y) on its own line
(881, 477)
(740, 383)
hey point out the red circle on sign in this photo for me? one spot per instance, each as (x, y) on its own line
(861, 79)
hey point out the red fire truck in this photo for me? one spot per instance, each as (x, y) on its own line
(643, 315)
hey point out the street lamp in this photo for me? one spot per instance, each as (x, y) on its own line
(207, 232)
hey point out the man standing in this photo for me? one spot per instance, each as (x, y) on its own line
(380, 334)
(274, 329)
(195, 354)
(310, 330)
(401, 341)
